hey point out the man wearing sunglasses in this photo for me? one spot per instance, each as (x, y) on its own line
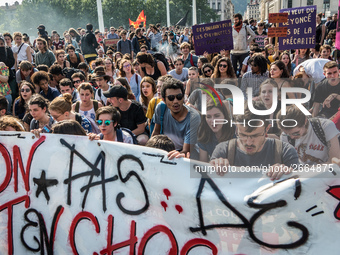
(252, 148)
(179, 122)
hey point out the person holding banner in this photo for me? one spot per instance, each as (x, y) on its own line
(242, 36)
(252, 147)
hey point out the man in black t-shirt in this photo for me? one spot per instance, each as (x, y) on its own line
(132, 114)
(327, 93)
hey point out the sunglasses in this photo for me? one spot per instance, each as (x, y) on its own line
(172, 97)
(79, 81)
(208, 71)
(25, 90)
(221, 65)
(106, 122)
(126, 66)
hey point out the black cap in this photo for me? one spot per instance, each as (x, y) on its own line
(41, 26)
(116, 91)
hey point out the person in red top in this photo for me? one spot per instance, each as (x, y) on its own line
(57, 43)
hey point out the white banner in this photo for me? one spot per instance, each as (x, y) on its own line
(68, 195)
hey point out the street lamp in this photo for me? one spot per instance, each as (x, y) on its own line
(200, 15)
(110, 21)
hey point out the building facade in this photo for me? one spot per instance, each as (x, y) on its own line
(223, 8)
(253, 10)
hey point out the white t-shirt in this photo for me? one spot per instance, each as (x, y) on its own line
(126, 137)
(101, 98)
(245, 62)
(22, 53)
(309, 147)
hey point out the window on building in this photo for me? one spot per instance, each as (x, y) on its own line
(219, 6)
(213, 6)
(290, 4)
(310, 2)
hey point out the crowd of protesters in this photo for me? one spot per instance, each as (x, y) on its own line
(148, 91)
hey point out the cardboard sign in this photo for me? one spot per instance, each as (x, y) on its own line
(213, 37)
(110, 42)
(277, 32)
(301, 28)
(63, 194)
(278, 17)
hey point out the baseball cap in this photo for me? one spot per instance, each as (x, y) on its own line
(116, 91)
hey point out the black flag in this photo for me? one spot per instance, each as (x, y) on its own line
(183, 20)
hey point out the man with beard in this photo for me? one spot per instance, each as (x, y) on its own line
(252, 147)
(139, 40)
(178, 121)
(242, 36)
(327, 92)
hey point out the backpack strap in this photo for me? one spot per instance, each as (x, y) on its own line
(136, 77)
(317, 128)
(78, 118)
(119, 134)
(76, 109)
(231, 151)
(95, 105)
(191, 60)
(278, 151)
(68, 58)
(78, 57)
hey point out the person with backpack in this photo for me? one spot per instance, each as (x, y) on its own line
(86, 106)
(124, 45)
(189, 59)
(89, 44)
(315, 139)
(150, 66)
(252, 148)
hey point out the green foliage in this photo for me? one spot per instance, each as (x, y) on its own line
(60, 15)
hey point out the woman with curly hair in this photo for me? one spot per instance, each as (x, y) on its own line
(150, 66)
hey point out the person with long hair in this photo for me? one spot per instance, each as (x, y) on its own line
(279, 72)
(118, 55)
(122, 81)
(320, 31)
(211, 134)
(61, 109)
(148, 91)
(266, 96)
(285, 58)
(60, 59)
(70, 41)
(128, 72)
(38, 108)
(26, 90)
(223, 70)
(150, 66)
(200, 62)
(75, 35)
(110, 69)
(86, 106)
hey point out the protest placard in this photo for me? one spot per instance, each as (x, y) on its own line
(277, 32)
(62, 194)
(278, 17)
(300, 28)
(213, 37)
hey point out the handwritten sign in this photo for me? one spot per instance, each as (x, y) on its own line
(300, 28)
(277, 31)
(63, 194)
(278, 17)
(110, 42)
(213, 37)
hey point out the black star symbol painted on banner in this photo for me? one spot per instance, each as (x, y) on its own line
(43, 184)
